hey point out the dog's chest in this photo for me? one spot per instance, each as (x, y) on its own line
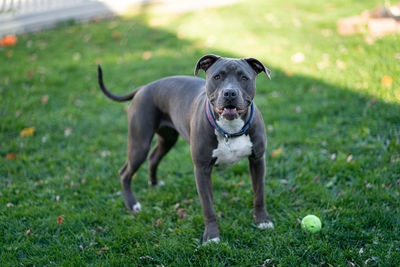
(230, 151)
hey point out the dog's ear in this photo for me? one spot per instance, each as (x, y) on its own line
(205, 62)
(258, 66)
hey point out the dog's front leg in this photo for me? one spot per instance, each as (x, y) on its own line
(204, 188)
(257, 172)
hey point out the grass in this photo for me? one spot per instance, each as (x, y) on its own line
(333, 131)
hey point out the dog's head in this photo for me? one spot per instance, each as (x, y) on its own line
(230, 83)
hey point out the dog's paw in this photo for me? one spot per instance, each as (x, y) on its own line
(214, 240)
(157, 184)
(265, 225)
(136, 208)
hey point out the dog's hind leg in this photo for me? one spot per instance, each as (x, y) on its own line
(140, 133)
(166, 139)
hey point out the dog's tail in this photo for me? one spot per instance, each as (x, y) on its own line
(108, 93)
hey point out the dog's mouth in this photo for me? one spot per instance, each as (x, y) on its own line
(229, 112)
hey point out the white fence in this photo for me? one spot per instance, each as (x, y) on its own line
(17, 16)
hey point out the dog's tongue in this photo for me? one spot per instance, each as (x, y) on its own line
(230, 113)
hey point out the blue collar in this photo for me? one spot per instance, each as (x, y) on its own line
(215, 125)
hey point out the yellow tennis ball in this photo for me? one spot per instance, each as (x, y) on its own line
(311, 223)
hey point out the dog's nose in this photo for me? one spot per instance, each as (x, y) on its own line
(230, 93)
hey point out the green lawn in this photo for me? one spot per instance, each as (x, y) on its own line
(333, 132)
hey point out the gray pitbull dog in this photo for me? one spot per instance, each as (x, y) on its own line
(216, 116)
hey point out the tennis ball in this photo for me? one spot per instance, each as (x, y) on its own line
(311, 223)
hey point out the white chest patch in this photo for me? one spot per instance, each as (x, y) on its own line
(228, 153)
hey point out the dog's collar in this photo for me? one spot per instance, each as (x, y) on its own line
(215, 125)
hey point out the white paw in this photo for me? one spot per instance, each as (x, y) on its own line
(265, 225)
(137, 207)
(212, 240)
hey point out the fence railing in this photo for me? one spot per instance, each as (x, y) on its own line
(17, 7)
(17, 16)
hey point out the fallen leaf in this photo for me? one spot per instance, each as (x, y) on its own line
(176, 205)
(29, 232)
(57, 198)
(349, 158)
(276, 152)
(284, 181)
(45, 99)
(220, 214)
(60, 219)
(266, 262)
(11, 156)
(368, 185)
(28, 131)
(387, 81)
(182, 213)
(10, 205)
(146, 258)
(187, 201)
(116, 35)
(340, 65)
(239, 183)
(158, 222)
(288, 73)
(103, 250)
(30, 74)
(298, 57)
(67, 131)
(9, 40)
(146, 55)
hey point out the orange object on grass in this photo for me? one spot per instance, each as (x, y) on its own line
(9, 40)
(387, 81)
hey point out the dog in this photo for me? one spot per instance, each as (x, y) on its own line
(216, 116)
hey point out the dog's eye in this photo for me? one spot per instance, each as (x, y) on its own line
(217, 77)
(244, 78)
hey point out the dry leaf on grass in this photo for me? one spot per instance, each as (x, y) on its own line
(11, 156)
(67, 131)
(387, 81)
(27, 131)
(298, 57)
(158, 222)
(60, 219)
(146, 55)
(116, 35)
(45, 99)
(182, 213)
(9, 40)
(276, 152)
(103, 250)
